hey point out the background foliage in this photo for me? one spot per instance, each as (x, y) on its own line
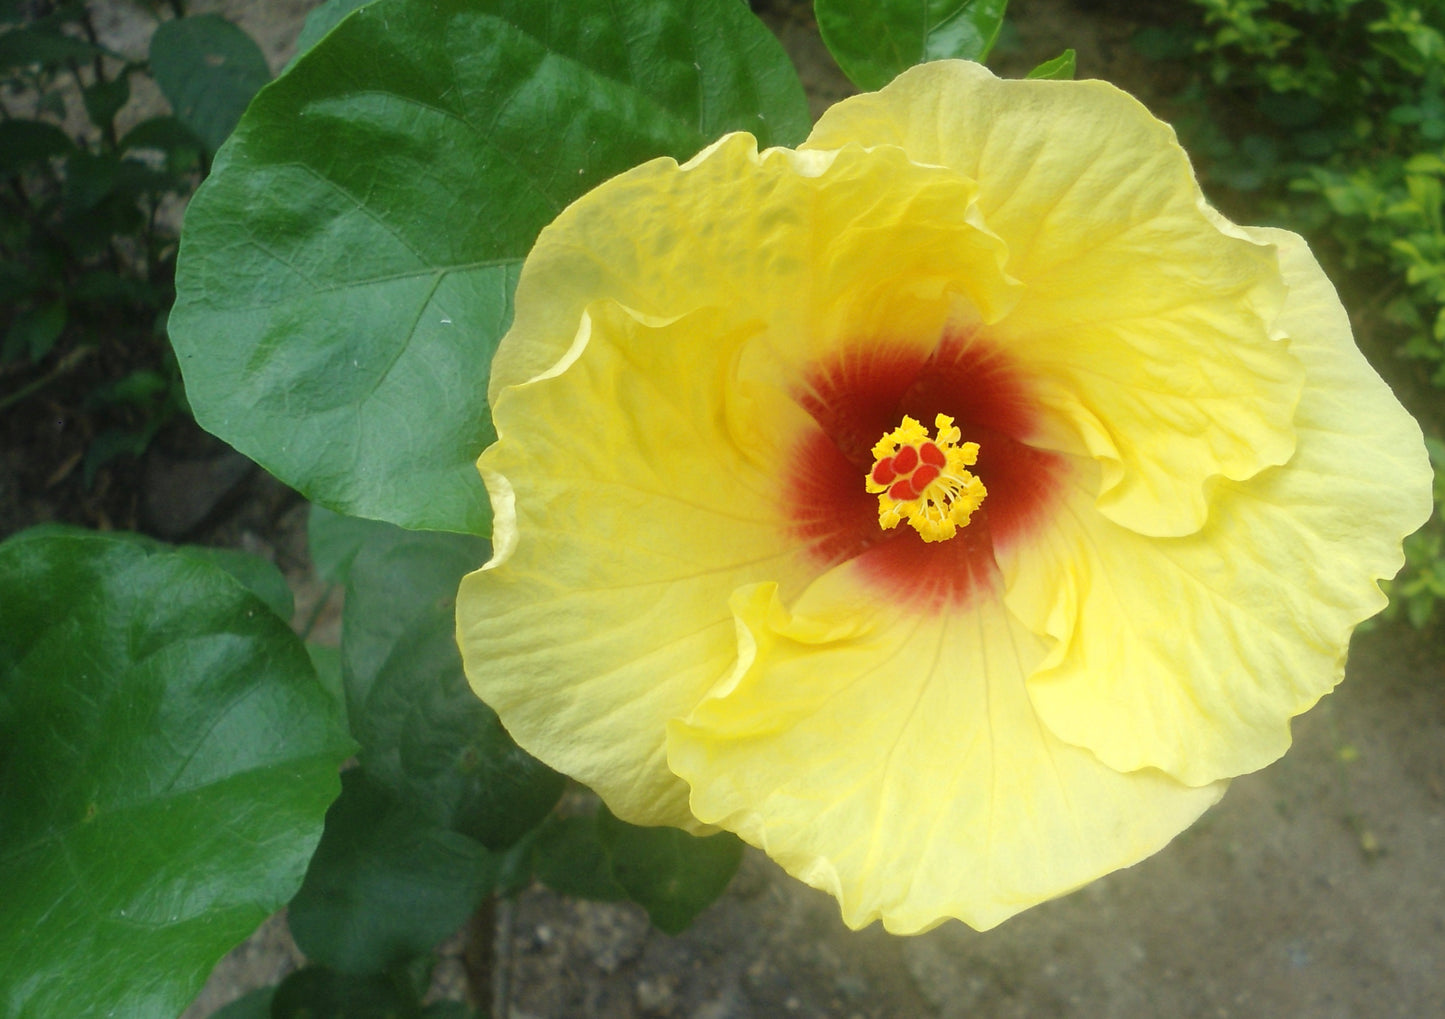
(87, 213)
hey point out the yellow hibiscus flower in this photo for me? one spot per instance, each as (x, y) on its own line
(949, 507)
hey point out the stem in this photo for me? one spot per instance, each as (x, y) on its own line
(316, 611)
(67, 364)
(74, 69)
(487, 957)
(107, 129)
(151, 261)
(502, 964)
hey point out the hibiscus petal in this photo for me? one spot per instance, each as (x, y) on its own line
(894, 760)
(1191, 655)
(813, 243)
(624, 516)
(1141, 319)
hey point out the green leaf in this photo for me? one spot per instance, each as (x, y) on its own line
(23, 48)
(23, 143)
(385, 884)
(319, 993)
(139, 388)
(113, 443)
(166, 135)
(424, 733)
(104, 99)
(570, 858)
(257, 575)
(322, 20)
(347, 269)
(208, 69)
(89, 179)
(166, 756)
(671, 874)
(876, 40)
(52, 103)
(327, 662)
(514, 870)
(1061, 68)
(256, 1005)
(334, 539)
(34, 331)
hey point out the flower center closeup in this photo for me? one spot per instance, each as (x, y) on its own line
(925, 481)
(862, 391)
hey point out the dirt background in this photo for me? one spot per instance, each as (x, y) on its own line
(1314, 889)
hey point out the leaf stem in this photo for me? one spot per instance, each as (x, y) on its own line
(486, 956)
(67, 364)
(316, 611)
(502, 959)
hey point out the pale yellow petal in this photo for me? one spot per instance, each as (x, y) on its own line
(894, 760)
(821, 247)
(1144, 322)
(624, 517)
(1192, 654)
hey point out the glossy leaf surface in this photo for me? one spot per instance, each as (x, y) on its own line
(166, 756)
(322, 20)
(347, 269)
(259, 576)
(386, 884)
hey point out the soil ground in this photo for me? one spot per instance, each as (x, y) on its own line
(1313, 890)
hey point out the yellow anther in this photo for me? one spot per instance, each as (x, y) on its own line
(925, 481)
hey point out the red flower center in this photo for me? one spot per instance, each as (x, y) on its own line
(861, 394)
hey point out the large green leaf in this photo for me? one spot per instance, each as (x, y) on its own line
(208, 69)
(424, 734)
(874, 40)
(671, 874)
(569, 857)
(347, 269)
(322, 20)
(166, 757)
(259, 576)
(385, 884)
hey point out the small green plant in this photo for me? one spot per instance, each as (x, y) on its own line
(90, 195)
